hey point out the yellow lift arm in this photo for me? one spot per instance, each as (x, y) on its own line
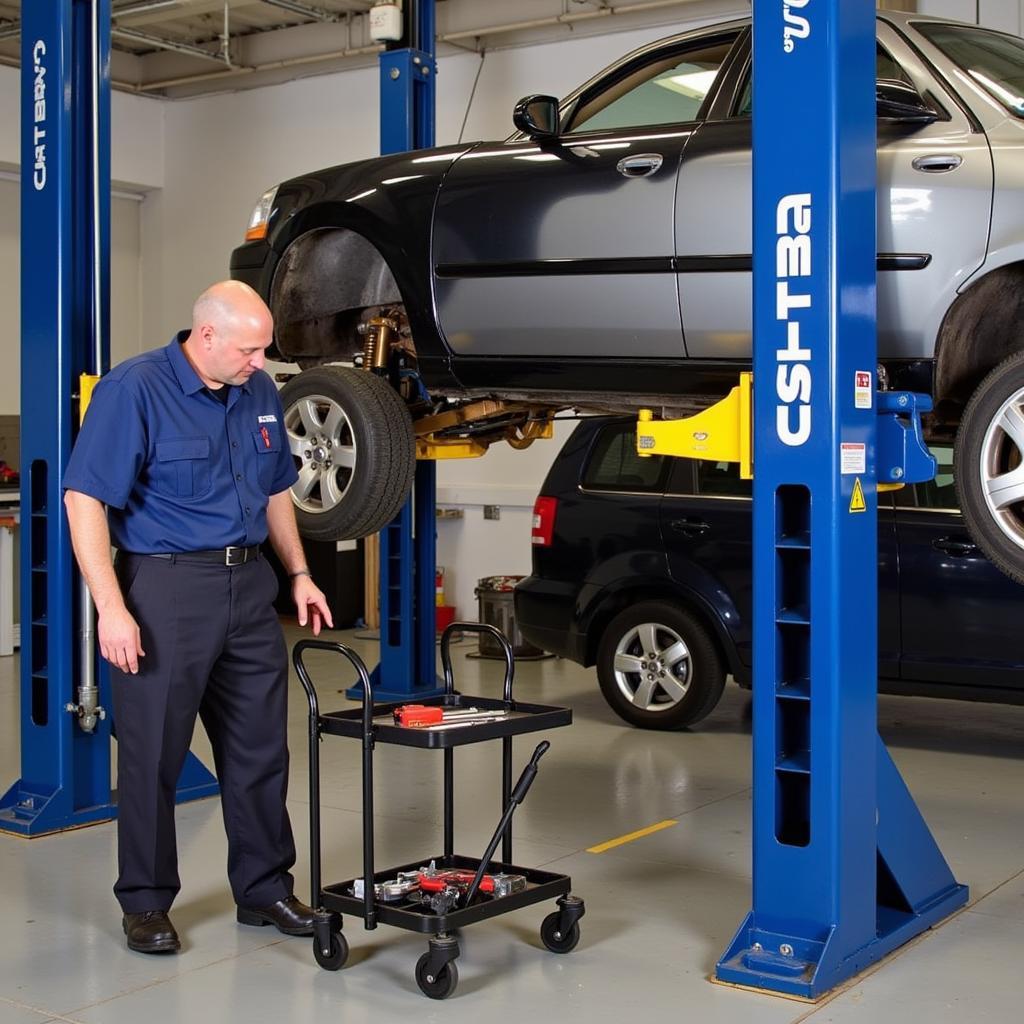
(721, 433)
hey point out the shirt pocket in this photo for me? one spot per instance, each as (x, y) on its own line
(182, 467)
(268, 453)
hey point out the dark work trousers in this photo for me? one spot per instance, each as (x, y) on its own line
(214, 647)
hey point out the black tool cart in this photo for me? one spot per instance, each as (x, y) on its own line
(443, 893)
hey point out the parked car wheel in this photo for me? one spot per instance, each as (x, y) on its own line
(351, 437)
(658, 667)
(988, 466)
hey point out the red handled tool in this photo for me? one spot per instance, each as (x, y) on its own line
(429, 716)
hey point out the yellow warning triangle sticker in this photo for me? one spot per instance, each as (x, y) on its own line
(857, 502)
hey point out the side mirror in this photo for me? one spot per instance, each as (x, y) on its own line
(537, 116)
(902, 103)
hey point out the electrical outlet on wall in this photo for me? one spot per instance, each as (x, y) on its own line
(492, 511)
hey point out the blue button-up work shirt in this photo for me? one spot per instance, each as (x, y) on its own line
(178, 469)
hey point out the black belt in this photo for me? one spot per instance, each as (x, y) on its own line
(220, 556)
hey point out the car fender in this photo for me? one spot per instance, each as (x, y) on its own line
(598, 604)
(389, 202)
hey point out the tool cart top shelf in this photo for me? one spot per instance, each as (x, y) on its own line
(522, 718)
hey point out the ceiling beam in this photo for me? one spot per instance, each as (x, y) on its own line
(159, 43)
(305, 10)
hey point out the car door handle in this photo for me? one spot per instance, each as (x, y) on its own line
(951, 546)
(937, 164)
(690, 527)
(640, 166)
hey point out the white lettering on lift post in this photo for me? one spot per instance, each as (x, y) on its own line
(39, 115)
(793, 380)
(796, 25)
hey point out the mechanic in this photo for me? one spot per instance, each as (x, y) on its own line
(183, 464)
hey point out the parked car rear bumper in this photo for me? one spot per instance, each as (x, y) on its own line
(544, 615)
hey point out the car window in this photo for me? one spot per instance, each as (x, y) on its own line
(614, 465)
(939, 493)
(721, 480)
(994, 60)
(668, 91)
(886, 69)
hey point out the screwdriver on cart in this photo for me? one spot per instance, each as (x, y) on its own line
(427, 716)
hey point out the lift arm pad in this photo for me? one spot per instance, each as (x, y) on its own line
(719, 434)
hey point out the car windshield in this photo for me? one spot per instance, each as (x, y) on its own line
(995, 61)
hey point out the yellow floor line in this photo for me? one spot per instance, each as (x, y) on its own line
(622, 840)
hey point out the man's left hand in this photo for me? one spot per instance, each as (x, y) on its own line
(311, 604)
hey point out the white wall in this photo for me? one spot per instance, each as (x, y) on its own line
(136, 128)
(125, 310)
(1005, 15)
(137, 165)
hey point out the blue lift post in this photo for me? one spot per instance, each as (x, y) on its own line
(408, 556)
(65, 249)
(845, 869)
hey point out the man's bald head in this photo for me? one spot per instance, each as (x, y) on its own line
(231, 329)
(228, 305)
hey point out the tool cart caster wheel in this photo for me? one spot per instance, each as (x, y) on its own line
(441, 985)
(335, 958)
(555, 940)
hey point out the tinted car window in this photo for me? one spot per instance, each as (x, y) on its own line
(886, 69)
(721, 480)
(938, 493)
(614, 465)
(993, 60)
(668, 91)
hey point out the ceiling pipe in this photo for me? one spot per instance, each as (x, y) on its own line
(275, 65)
(453, 37)
(561, 19)
(158, 42)
(306, 10)
(143, 8)
(225, 39)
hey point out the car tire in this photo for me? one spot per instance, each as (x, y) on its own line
(988, 466)
(351, 437)
(679, 686)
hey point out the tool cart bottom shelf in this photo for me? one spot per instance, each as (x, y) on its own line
(436, 972)
(419, 917)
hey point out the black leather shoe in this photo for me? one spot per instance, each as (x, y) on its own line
(289, 916)
(150, 932)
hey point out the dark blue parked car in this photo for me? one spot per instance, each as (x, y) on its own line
(643, 567)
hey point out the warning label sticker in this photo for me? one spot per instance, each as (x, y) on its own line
(853, 458)
(857, 502)
(862, 390)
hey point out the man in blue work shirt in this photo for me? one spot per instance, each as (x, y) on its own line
(183, 465)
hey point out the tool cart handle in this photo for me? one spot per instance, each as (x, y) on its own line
(476, 627)
(307, 684)
(369, 910)
(529, 773)
(518, 795)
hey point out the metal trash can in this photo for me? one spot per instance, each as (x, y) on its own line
(494, 596)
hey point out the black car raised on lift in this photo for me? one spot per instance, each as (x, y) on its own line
(643, 567)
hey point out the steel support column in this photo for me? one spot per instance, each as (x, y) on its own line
(845, 869)
(65, 287)
(408, 555)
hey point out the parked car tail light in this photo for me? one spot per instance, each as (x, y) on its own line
(257, 229)
(544, 510)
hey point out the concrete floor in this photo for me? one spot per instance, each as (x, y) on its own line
(659, 910)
